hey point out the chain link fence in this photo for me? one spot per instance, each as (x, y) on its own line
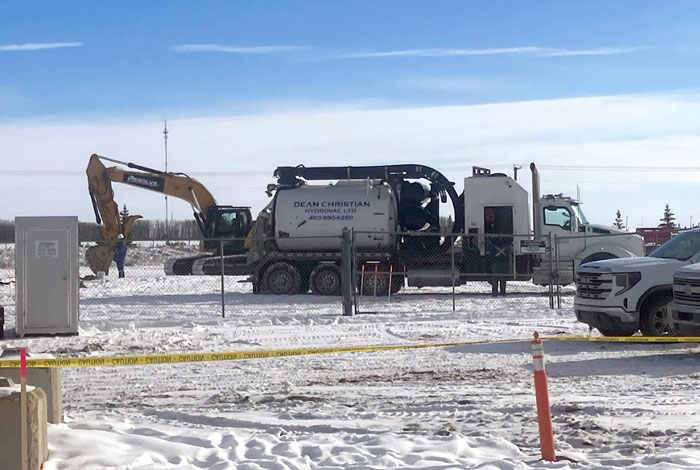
(392, 273)
(438, 273)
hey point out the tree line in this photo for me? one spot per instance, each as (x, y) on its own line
(667, 220)
(142, 230)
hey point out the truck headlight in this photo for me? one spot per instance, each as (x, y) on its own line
(627, 281)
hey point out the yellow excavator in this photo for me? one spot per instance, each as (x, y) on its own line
(216, 223)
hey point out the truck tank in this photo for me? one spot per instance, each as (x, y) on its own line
(322, 211)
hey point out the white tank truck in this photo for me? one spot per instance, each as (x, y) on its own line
(394, 211)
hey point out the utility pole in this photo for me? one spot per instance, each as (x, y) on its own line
(515, 172)
(165, 138)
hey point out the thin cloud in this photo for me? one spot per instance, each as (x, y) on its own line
(236, 49)
(583, 52)
(523, 50)
(38, 46)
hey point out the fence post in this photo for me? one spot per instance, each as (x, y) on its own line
(454, 302)
(558, 268)
(346, 278)
(23, 409)
(544, 414)
(354, 283)
(223, 302)
(551, 272)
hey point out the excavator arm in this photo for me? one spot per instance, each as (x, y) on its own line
(100, 180)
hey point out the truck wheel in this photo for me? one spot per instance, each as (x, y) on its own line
(656, 318)
(620, 331)
(326, 280)
(380, 280)
(396, 283)
(281, 278)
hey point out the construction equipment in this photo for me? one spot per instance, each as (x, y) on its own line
(216, 223)
(394, 211)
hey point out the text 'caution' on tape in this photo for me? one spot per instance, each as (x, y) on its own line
(180, 358)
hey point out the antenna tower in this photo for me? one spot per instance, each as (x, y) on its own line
(165, 139)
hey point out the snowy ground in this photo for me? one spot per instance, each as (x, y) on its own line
(614, 405)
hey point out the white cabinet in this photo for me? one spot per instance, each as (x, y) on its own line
(47, 276)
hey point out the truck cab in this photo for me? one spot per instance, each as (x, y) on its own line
(576, 241)
(559, 220)
(561, 217)
(228, 223)
(621, 296)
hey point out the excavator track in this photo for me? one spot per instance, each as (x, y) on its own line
(182, 266)
(207, 265)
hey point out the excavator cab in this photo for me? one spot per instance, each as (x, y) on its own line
(229, 223)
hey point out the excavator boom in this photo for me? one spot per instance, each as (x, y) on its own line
(179, 185)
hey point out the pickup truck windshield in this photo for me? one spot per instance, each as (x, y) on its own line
(681, 247)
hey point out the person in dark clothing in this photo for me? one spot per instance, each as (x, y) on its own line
(120, 254)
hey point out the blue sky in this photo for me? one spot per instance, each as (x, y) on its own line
(121, 58)
(248, 86)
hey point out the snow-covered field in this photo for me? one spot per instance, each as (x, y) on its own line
(473, 406)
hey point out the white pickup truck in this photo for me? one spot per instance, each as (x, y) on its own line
(686, 300)
(621, 296)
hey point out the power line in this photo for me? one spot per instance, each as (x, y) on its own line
(74, 173)
(618, 168)
(552, 167)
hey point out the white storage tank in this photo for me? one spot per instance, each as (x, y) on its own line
(323, 211)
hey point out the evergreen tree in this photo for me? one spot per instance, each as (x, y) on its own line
(124, 213)
(618, 221)
(668, 219)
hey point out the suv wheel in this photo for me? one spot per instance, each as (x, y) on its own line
(656, 318)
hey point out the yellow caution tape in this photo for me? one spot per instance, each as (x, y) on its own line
(180, 358)
(628, 339)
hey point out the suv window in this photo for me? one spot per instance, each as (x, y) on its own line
(558, 216)
(681, 247)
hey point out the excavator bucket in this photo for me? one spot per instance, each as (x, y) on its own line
(99, 257)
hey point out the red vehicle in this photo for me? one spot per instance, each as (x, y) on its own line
(654, 236)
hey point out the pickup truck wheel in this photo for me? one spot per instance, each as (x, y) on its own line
(281, 278)
(326, 280)
(656, 318)
(620, 331)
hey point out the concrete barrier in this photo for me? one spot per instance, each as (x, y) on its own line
(49, 380)
(10, 439)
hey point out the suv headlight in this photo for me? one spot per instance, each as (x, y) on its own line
(627, 281)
